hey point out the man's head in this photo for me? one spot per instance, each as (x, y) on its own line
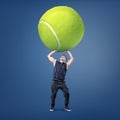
(63, 58)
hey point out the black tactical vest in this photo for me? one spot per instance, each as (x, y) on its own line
(59, 71)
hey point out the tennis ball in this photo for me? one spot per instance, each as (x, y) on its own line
(61, 28)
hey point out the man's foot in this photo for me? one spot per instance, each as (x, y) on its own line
(51, 109)
(67, 109)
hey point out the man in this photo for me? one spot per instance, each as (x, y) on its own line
(59, 72)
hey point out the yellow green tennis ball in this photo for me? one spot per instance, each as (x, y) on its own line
(61, 28)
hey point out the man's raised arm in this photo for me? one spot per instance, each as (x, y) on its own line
(71, 58)
(51, 58)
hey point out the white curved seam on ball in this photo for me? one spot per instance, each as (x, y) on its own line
(54, 33)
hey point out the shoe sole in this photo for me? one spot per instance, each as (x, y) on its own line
(67, 110)
(51, 110)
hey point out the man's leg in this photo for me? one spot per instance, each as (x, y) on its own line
(66, 94)
(54, 90)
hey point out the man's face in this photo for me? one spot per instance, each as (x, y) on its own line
(62, 58)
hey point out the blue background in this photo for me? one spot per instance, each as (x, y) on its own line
(26, 73)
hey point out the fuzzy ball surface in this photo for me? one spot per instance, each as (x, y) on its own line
(61, 28)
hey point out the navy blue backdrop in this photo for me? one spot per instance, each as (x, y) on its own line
(26, 73)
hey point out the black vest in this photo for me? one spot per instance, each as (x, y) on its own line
(59, 71)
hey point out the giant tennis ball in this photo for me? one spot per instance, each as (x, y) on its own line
(61, 28)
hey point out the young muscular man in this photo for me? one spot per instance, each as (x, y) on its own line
(59, 73)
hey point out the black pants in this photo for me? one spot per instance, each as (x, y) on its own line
(54, 89)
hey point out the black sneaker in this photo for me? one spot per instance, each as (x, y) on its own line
(51, 109)
(67, 109)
